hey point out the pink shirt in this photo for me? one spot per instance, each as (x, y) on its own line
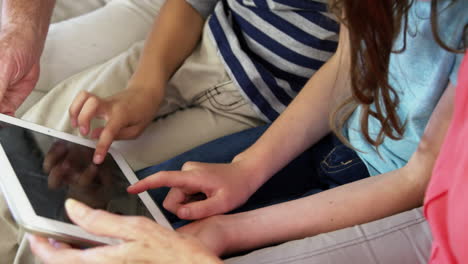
(446, 202)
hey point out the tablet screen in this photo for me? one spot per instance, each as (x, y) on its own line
(51, 170)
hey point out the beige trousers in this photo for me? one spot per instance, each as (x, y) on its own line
(87, 33)
(201, 104)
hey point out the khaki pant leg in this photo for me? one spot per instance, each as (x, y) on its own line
(201, 104)
(76, 44)
(24, 254)
(10, 234)
(103, 80)
(66, 9)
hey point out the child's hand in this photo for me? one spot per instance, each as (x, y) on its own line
(224, 187)
(127, 114)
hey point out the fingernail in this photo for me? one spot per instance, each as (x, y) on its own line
(98, 158)
(83, 130)
(184, 213)
(75, 208)
(74, 123)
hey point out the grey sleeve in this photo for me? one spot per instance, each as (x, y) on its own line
(204, 7)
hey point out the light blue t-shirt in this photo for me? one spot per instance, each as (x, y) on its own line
(420, 75)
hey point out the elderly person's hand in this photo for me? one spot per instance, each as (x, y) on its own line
(19, 66)
(144, 241)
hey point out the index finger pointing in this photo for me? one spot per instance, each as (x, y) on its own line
(177, 179)
(106, 138)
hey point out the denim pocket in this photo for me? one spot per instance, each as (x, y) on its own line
(342, 165)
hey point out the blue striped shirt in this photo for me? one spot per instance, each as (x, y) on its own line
(270, 47)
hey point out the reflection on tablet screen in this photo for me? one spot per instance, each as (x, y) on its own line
(51, 170)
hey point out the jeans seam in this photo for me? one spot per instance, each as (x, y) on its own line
(326, 167)
(337, 166)
(355, 162)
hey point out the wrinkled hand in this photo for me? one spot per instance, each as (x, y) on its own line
(144, 241)
(225, 187)
(19, 68)
(126, 114)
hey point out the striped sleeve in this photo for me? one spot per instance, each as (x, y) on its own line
(204, 7)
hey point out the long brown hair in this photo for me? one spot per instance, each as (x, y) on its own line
(373, 26)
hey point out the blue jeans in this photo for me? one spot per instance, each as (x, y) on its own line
(327, 164)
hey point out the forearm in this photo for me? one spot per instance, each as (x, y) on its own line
(348, 205)
(352, 204)
(306, 119)
(175, 34)
(27, 16)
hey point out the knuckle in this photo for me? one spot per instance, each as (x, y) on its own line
(117, 107)
(133, 132)
(83, 94)
(167, 204)
(160, 176)
(138, 221)
(72, 110)
(93, 100)
(189, 165)
(82, 119)
(108, 134)
(224, 203)
(91, 217)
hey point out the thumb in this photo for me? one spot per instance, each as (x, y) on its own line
(201, 209)
(101, 223)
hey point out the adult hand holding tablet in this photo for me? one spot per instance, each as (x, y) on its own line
(41, 168)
